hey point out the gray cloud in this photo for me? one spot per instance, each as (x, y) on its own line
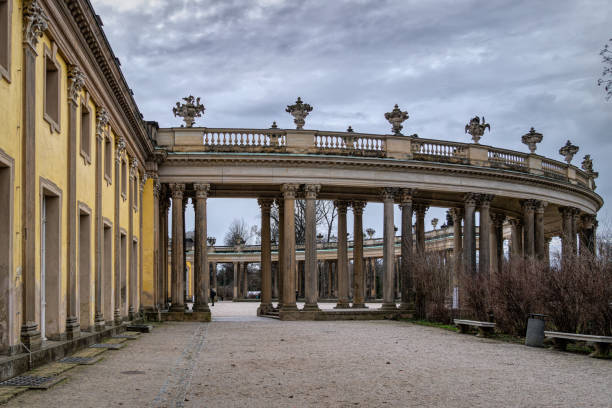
(518, 63)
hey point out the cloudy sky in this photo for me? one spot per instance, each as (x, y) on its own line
(518, 63)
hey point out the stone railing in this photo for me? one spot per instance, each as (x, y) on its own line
(353, 144)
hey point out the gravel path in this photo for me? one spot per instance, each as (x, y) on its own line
(241, 361)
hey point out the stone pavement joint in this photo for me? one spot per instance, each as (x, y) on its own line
(174, 390)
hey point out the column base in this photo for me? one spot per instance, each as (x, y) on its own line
(132, 315)
(73, 328)
(311, 307)
(201, 307)
(359, 306)
(342, 305)
(30, 336)
(404, 306)
(264, 308)
(177, 308)
(388, 306)
(117, 317)
(288, 308)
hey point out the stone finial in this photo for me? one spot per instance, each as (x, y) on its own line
(76, 77)
(211, 241)
(299, 111)
(102, 120)
(476, 128)
(531, 139)
(434, 223)
(191, 109)
(395, 118)
(274, 125)
(568, 151)
(370, 232)
(35, 23)
(350, 129)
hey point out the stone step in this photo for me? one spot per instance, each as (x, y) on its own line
(141, 328)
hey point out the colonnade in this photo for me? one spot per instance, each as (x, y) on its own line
(353, 288)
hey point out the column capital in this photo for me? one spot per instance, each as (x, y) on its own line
(341, 205)
(498, 219)
(156, 187)
(311, 191)
(102, 120)
(358, 206)
(470, 199)
(201, 190)
(133, 167)
(515, 222)
(388, 193)
(529, 205)
(178, 191)
(265, 203)
(143, 181)
(405, 195)
(540, 206)
(289, 190)
(420, 209)
(279, 202)
(35, 23)
(119, 148)
(485, 199)
(456, 213)
(588, 221)
(76, 79)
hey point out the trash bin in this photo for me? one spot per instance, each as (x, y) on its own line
(535, 330)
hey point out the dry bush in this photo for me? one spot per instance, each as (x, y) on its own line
(431, 274)
(474, 296)
(514, 292)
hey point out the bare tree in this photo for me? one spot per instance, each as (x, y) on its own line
(325, 214)
(329, 213)
(606, 76)
(238, 233)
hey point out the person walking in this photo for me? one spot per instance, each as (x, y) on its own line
(213, 293)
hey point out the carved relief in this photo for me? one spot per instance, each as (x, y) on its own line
(35, 23)
(102, 120)
(76, 79)
(191, 109)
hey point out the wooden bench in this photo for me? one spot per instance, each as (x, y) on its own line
(485, 329)
(560, 340)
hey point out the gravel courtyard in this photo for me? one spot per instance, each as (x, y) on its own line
(240, 360)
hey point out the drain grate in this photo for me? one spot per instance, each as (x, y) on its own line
(79, 360)
(110, 346)
(27, 381)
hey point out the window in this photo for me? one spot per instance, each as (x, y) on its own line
(52, 89)
(108, 160)
(85, 133)
(5, 39)
(124, 179)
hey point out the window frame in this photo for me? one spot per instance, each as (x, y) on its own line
(5, 65)
(50, 57)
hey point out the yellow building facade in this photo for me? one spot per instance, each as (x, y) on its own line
(75, 192)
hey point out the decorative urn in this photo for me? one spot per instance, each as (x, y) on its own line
(531, 139)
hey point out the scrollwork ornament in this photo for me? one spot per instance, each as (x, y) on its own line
(120, 149)
(191, 109)
(476, 128)
(77, 81)
(102, 120)
(133, 167)
(35, 23)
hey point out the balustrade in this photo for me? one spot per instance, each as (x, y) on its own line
(243, 139)
(507, 158)
(349, 143)
(553, 168)
(425, 149)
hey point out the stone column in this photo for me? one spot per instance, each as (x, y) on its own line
(157, 286)
(235, 289)
(566, 234)
(266, 256)
(516, 235)
(498, 234)
(342, 271)
(575, 216)
(407, 289)
(540, 251)
(457, 215)
(328, 267)
(484, 259)
(35, 23)
(201, 271)
(178, 267)
(469, 233)
(119, 152)
(165, 207)
(245, 280)
(214, 283)
(101, 258)
(131, 270)
(281, 245)
(289, 263)
(358, 276)
(184, 282)
(141, 187)
(587, 234)
(420, 210)
(388, 244)
(310, 250)
(528, 222)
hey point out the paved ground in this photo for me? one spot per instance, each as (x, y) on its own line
(251, 362)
